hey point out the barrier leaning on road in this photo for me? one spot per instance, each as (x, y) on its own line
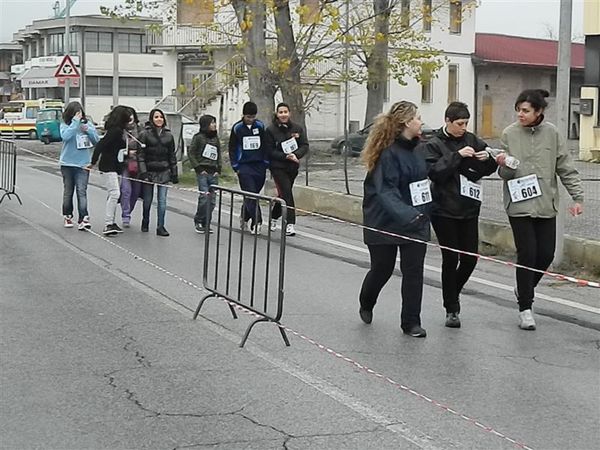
(228, 273)
(8, 169)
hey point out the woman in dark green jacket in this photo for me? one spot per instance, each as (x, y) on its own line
(205, 158)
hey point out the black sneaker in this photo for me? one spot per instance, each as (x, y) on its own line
(198, 228)
(452, 320)
(144, 227)
(162, 231)
(109, 231)
(117, 228)
(415, 331)
(366, 315)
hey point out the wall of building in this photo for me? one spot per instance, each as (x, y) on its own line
(498, 87)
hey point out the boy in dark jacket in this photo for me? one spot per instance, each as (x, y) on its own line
(457, 160)
(205, 158)
(249, 161)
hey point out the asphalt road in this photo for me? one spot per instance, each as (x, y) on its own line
(99, 349)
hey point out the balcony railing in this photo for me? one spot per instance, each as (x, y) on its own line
(186, 36)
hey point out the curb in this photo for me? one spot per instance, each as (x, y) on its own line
(581, 253)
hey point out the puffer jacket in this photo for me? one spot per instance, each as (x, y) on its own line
(276, 134)
(445, 168)
(202, 163)
(541, 151)
(387, 203)
(157, 160)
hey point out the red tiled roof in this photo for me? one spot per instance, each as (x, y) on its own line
(522, 51)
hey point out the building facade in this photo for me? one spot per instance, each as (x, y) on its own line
(589, 144)
(506, 65)
(10, 55)
(195, 55)
(112, 57)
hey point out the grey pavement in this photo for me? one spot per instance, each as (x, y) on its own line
(99, 350)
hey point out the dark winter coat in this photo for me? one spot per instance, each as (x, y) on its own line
(157, 160)
(108, 148)
(201, 163)
(276, 134)
(238, 156)
(387, 203)
(445, 168)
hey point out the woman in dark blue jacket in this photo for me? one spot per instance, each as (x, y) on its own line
(396, 203)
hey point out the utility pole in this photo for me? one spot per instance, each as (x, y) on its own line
(67, 41)
(563, 103)
(346, 149)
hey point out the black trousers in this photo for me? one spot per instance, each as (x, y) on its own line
(383, 261)
(535, 240)
(284, 182)
(252, 179)
(461, 234)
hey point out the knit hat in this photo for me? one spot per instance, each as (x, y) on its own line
(249, 109)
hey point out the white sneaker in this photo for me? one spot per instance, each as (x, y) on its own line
(273, 224)
(290, 230)
(526, 321)
(68, 221)
(84, 224)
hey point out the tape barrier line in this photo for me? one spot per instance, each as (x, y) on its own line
(556, 276)
(313, 342)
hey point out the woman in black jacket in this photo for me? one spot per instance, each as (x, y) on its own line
(112, 151)
(457, 160)
(396, 200)
(157, 165)
(286, 144)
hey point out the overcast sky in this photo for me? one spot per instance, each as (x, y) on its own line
(532, 18)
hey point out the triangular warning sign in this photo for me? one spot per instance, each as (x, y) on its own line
(67, 69)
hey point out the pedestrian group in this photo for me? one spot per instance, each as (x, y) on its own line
(410, 187)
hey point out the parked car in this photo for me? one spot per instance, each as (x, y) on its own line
(356, 140)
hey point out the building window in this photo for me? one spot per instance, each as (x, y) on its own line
(73, 49)
(140, 87)
(405, 14)
(426, 85)
(452, 83)
(98, 42)
(132, 43)
(455, 16)
(56, 44)
(427, 17)
(99, 86)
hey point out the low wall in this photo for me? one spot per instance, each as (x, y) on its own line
(579, 252)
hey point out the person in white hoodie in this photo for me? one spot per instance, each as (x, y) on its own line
(78, 137)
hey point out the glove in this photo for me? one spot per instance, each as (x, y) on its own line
(174, 179)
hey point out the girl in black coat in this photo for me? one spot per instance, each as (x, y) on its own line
(396, 200)
(286, 144)
(157, 164)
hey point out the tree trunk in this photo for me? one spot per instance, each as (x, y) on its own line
(377, 62)
(251, 16)
(290, 79)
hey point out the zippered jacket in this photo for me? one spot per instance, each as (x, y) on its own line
(541, 151)
(247, 145)
(278, 133)
(198, 161)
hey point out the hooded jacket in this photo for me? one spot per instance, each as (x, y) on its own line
(157, 160)
(240, 154)
(387, 203)
(277, 133)
(446, 165)
(541, 151)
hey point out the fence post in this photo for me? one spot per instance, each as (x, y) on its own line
(8, 170)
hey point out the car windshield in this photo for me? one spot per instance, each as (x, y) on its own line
(48, 115)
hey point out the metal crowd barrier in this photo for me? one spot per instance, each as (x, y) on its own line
(8, 169)
(238, 265)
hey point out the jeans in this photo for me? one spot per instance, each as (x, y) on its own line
(383, 261)
(130, 192)
(148, 194)
(204, 181)
(460, 234)
(111, 182)
(75, 179)
(284, 182)
(535, 240)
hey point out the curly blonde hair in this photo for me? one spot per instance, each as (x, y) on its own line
(386, 128)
